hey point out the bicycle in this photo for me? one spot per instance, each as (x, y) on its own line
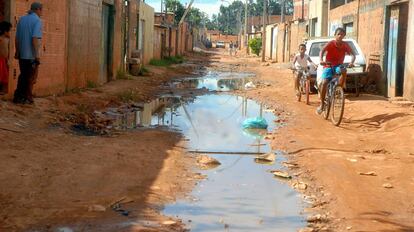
(334, 99)
(304, 84)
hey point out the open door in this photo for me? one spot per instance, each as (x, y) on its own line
(107, 42)
(396, 45)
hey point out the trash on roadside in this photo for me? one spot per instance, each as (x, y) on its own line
(290, 165)
(96, 208)
(169, 222)
(249, 85)
(206, 162)
(281, 174)
(317, 218)
(387, 185)
(255, 123)
(300, 185)
(367, 173)
(255, 133)
(268, 158)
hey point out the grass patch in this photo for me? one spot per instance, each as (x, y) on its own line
(91, 84)
(167, 61)
(143, 71)
(122, 75)
(128, 96)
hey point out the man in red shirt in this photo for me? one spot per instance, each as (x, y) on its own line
(335, 55)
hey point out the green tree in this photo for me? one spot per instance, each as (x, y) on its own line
(256, 45)
(177, 8)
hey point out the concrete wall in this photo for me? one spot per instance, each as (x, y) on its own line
(318, 9)
(146, 13)
(343, 14)
(51, 78)
(268, 47)
(409, 56)
(158, 33)
(298, 35)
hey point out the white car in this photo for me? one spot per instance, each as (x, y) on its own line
(220, 44)
(314, 47)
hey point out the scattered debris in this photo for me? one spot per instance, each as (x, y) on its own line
(352, 160)
(290, 165)
(169, 222)
(307, 229)
(249, 85)
(367, 173)
(268, 158)
(206, 162)
(317, 218)
(387, 185)
(300, 185)
(349, 227)
(96, 208)
(281, 174)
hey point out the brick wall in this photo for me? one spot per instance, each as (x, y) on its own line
(372, 41)
(84, 42)
(297, 9)
(297, 36)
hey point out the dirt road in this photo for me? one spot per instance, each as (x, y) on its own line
(375, 139)
(51, 176)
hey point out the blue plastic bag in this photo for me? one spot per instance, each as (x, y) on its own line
(255, 123)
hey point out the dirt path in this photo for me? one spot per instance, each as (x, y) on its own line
(52, 178)
(375, 136)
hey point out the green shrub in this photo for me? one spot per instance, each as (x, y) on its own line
(121, 75)
(91, 84)
(167, 61)
(256, 45)
(143, 70)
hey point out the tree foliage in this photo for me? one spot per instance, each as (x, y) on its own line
(230, 18)
(256, 45)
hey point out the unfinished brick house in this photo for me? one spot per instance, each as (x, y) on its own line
(82, 42)
(381, 28)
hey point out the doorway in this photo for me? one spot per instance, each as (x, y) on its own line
(107, 42)
(397, 23)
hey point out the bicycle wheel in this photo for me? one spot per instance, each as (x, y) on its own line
(307, 89)
(327, 107)
(338, 103)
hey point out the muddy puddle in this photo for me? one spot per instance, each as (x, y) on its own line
(240, 194)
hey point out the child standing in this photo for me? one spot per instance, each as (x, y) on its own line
(4, 55)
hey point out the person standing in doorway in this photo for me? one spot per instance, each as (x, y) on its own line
(4, 55)
(28, 47)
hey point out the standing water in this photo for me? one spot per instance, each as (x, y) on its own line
(240, 194)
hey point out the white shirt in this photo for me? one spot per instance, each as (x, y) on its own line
(301, 62)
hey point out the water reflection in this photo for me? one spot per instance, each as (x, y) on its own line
(216, 81)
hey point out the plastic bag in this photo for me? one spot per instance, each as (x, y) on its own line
(255, 123)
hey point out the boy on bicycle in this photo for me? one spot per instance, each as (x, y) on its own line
(335, 55)
(300, 61)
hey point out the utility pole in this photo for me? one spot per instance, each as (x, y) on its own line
(282, 19)
(264, 30)
(246, 36)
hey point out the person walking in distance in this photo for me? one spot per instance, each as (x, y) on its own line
(28, 47)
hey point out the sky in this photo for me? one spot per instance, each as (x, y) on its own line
(209, 6)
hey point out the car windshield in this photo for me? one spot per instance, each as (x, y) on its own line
(317, 47)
